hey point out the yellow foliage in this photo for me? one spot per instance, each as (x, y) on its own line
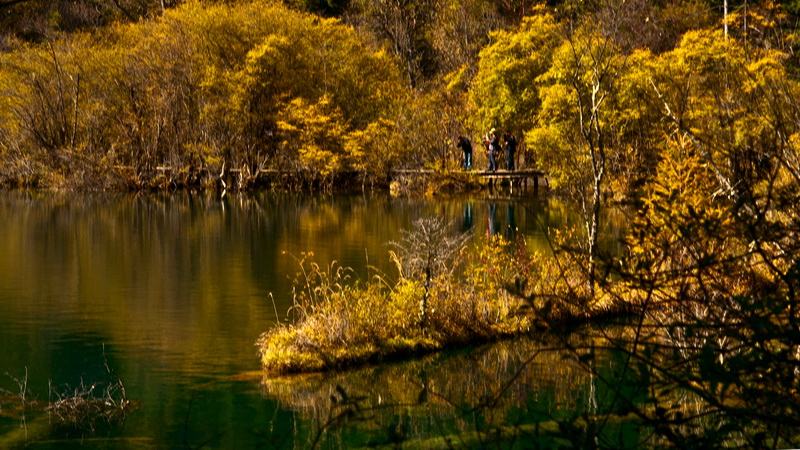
(210, 76)
(581, 85)
(503, 93)
(315, 132)
(373, 149)
(686, 232)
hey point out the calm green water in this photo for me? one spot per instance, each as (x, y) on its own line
(175, 289)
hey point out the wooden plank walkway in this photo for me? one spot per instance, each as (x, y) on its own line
(511, 174)
(521, 176)
(520, 173)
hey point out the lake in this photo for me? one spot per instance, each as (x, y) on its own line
(171, 291)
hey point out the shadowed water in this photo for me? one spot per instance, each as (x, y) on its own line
(516, 393)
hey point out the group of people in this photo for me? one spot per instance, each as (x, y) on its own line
(491, 143)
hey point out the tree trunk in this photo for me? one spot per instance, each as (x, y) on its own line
(725, 18)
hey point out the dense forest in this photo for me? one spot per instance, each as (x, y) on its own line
(138, 94)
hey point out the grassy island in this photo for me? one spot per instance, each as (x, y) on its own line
(447, 295)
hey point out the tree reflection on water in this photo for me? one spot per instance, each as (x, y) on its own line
(524, 391)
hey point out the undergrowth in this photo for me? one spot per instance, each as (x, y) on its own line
(447, 294)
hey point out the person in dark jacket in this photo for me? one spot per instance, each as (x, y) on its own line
(511, 149)
(466, 147)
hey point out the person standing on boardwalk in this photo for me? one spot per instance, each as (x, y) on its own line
(492, 146)
(466, 147)
(511, 149)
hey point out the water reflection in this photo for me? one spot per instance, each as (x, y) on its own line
(174, 289)
(500, 393)
(466, 224)
(492, 226)
(511, 223)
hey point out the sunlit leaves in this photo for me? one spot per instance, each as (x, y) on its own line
(374, 150)
(315, 133)
(209, 77)
(504, 93)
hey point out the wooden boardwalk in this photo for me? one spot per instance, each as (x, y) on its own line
(519, 177)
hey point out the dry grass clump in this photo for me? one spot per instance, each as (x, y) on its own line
(349, 325)
(340, 321)
(365, 323)
(446, 295)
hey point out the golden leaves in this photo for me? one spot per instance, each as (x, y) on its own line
(316, 132)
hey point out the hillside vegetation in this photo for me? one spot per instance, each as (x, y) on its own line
(139, 95)
(199, 89)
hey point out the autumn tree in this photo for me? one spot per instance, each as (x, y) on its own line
(577, 122)
(504, 93)
(312, 60)
(315, 133)
(713, 249)
(462, 28)
(195, 93)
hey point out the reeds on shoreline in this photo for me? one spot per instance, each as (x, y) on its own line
(446, 296)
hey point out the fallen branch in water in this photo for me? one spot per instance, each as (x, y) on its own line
(84, 405)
